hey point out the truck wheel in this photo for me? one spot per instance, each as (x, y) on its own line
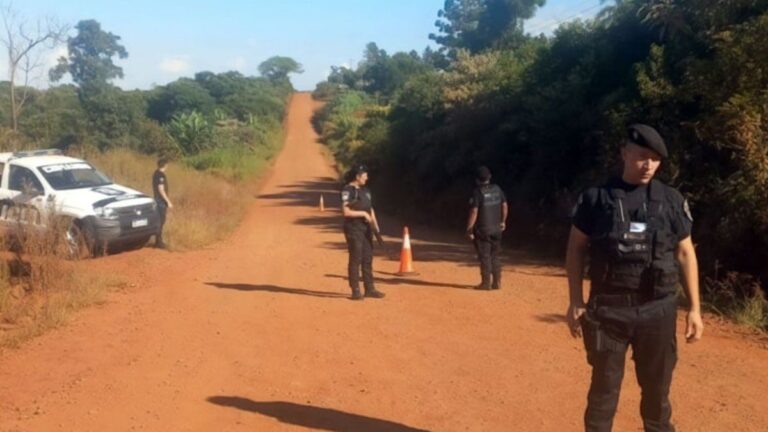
(79, 241)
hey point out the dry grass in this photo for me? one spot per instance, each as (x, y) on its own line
(26, 313)
(739, 297)
(39, 289)
(206, 207)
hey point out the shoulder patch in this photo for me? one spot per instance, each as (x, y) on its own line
(345, 195)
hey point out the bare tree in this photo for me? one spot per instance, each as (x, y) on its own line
(25, 45)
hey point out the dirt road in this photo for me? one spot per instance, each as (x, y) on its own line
(256, 334)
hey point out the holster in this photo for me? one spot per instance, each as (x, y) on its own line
(592, 333)
(597, 337)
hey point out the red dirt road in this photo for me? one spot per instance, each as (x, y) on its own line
(255, 334)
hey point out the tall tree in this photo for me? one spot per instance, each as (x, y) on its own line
(90, 64)
(25, 47)
(277, 68)
(476, 25)
(90, 56)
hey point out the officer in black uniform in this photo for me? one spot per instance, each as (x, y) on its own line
(637, 234)
(487, 221)
(359, 223)
(160, 189)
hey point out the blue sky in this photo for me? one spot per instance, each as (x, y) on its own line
(170, 39)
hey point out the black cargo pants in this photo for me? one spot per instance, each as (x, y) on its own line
(488, 247)
(359, 236)
(162, 212)
(649, 328)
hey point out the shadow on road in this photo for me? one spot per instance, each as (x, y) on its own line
(552, 318)
(312, 417)
(275, 289)
(307, 193)
(428, 243)
(407, 281)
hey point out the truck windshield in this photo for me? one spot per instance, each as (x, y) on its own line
(73, 176)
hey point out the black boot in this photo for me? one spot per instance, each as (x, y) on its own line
(374, 293)
(356, 295)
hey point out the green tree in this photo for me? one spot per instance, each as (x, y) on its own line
(278, 68)
(221, 85)
(476, 25)
(183, 95)
(383, 74)
(91, 67)
(91, 53)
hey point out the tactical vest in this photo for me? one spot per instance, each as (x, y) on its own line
(355, 202)
(627, 257)
(489, 208)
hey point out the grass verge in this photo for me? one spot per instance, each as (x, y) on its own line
(738, 297)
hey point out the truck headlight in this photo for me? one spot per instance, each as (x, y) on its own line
(105, 212)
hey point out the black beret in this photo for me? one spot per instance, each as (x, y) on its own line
(646, 136)
(482, 173)
(359, 169)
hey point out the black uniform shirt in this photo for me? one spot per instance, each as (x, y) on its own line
(589, 209)
(358, 199)
(159, 178)
(487, 199)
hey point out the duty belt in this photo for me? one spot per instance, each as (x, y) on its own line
(621, 300)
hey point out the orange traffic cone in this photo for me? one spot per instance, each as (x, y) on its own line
(406, 258)
(322, 203)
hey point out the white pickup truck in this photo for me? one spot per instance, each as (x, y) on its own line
(39, 186)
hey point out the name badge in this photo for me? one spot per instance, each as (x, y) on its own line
(637, 227)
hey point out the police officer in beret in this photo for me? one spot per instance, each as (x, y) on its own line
(636, 232)
(359, 223)
(486, 222)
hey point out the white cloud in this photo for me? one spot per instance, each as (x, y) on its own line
(239, 63)
(175, 65)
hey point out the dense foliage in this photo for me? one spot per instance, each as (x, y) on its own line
(209, 120)
(547, 114)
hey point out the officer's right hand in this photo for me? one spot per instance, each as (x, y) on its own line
(368, 218)
(575, 312)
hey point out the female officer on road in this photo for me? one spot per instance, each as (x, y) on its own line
(359, 223)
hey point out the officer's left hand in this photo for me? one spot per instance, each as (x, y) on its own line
(503, 226)
(694, 326)
(573, 316)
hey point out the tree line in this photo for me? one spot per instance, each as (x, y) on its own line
(196, 118)
(547, 114)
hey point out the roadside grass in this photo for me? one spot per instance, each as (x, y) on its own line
(208, 204)
(39, 289)
(26, 312)
(739, 298)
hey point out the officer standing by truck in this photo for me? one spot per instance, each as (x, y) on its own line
(160, 190)
(486, 222)
(637, 234)
(359, 225)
